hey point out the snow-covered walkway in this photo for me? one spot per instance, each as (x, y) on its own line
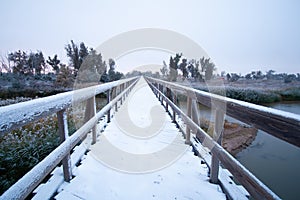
(140, 155)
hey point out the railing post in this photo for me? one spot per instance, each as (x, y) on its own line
(162, 97)
(63, 134)
(189, 112)
(156, 92)
(217, 136)
(158, 88)
(195, 116)
(114, 96)
(108, 100)
(89, 113)
(121, 90)
(174, 101)
(124, 87)
(169, 96)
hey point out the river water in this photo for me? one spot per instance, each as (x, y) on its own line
(275, 162)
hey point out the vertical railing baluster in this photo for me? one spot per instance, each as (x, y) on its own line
(63, 134)
(217, 136)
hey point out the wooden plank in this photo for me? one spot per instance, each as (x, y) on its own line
(47, 190)
(232, 190)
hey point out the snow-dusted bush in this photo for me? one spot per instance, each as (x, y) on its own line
(23, 148)
(246, 94)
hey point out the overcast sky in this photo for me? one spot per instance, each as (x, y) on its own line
(239, 36)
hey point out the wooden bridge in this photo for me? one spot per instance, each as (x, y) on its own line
(87, 166)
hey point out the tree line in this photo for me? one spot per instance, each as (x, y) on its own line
(34, 64)
(259, 75)
(197, 70)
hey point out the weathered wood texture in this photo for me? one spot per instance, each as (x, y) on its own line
(253, 185)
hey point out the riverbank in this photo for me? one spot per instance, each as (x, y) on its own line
(236, 137)
(13, 86)
(252, 91)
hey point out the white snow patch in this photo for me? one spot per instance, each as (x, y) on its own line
(185, 179)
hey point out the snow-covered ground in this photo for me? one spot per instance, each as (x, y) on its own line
(140, 155)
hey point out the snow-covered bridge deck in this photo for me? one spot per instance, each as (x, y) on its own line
(140, 155)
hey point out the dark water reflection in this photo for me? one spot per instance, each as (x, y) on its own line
(274, 161)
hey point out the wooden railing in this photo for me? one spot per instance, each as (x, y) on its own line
(17, 115)
(280, 124)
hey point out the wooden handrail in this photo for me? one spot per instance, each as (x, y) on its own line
(24, 186)
(16, 115)
(253, 185)
(281, 124)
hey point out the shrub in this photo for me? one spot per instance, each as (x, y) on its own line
(292, 94)
(247, 94)
(23, 148)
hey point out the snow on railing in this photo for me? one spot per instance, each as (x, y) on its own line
(14, 116)
(17, 115)
(243, 111)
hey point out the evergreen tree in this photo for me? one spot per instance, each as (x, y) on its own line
(76, 54)
(92, 68)
(112, 73)
(207, 67)
(65, 77)
(54, 63)
(19, 59)
(173, 66)
(36, 63)
(164, 69)
(183, 68)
